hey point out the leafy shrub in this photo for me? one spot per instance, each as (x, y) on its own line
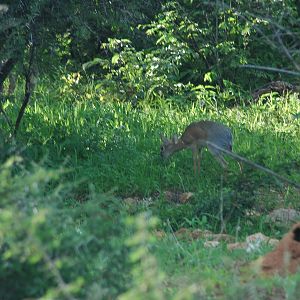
(196, 48)
(147, 278)
(54, 247)
(133, 75)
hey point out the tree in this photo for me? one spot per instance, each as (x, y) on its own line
(43, 35)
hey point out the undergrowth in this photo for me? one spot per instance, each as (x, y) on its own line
(113, 148)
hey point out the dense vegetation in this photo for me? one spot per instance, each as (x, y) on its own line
(86, 89)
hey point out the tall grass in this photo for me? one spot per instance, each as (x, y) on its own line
(114, 148)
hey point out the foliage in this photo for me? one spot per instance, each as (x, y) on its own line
(116, 146)
(133, 75)
(53, 247)
(90, 139)
(197, 272)
(211, 40)
(147, 279)
(195, 48)
(66, 32)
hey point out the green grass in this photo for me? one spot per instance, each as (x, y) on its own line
(188, 270)
(114, 148)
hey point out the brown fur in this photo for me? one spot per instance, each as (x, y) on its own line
(195, 137)
(286, 257)
(194, 132)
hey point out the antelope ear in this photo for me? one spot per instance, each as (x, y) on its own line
(163, 138)
(175, 139)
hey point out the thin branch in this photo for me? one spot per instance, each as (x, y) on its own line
(59, 280)
(286, 51)
(62, 286)
(29, 85)
(255, 165)
(272, 22)
(281, 46)
(270, 69)
(242, 16)
(247, 14)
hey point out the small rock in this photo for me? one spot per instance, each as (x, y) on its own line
(255, 241)
(218, 237)
(198, 233)
(211, 244)
(284, 215)
(183, 233)
(178, 197)
(257, 237)
(172, 196)
(235, 246)
(147, 201)
(252, 212)
(184, 197)
(223, 237)
(273, 242)
(131, 201)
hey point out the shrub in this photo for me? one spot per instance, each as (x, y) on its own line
(54, 247)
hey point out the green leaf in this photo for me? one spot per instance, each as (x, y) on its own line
(95, 61)
(115, 59)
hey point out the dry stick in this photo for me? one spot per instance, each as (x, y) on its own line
(255, 165)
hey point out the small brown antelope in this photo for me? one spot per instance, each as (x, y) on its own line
(197, 136)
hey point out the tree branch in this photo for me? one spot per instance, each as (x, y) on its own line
(270, 69)
(286, 51)
(29, 85)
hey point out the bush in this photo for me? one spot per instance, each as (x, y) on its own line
(195, 48)
(54, 247)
